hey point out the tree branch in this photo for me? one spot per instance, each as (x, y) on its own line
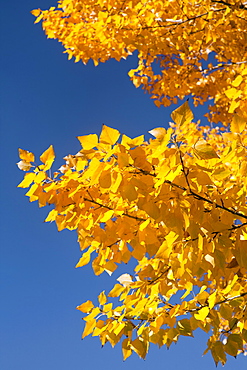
(111, 209)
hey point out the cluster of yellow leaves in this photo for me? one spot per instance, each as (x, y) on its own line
(195, 47)
(177, 206)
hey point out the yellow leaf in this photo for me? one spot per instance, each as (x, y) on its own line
(128, 142)
(234, 344)
(238, 124)
(226, 311)
(139, 347)
(36, 12)
(107, 216)
(31, 192)
(237, 81)
(182, 114)
(88, 141)
(221, 173)
(123, 159)
(26, 156)
(89, 327)
(130, 192)
(184, 327)
(152, 210)
(51, 216)
(170, 238)
(105, 179)
(116, 291)
(144, 224)
(218, 352)
(234, 104)
(164, 250)
(85, 259)
(126, 349)
(107, 307)
(117, 179)
(232, 93)
(189, 287)
(41, 176)
(48, 158)
(203, 178)
(119, 328)
(202, 314)
(109, 135)
(102, 298)
(241, 253)
(204, 150)
(110, 267)
(27, 181)
(212, 299)
(85, 307)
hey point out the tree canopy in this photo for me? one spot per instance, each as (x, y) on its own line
(175, 204)
(195, 47)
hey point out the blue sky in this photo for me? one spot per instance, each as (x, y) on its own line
(45, 99)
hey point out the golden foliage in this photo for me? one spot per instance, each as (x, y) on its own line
(177, 205)
(195, 47)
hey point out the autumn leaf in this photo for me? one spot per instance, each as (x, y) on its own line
(36, 12)
(26, 155)
(85, 307)
(202, 314)
(173, 208)
(182, 115)
(204, 150)
(109, 135)
(88, 141)
(102, 298)
(48, 158)
(179, 219)
(238, 124)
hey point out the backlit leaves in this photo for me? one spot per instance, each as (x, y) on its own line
(182, 114)
(204, 150)
(177, 206)
(26, 156)
(88, 141)
(109, 135)
(197, 45)
(48, 158)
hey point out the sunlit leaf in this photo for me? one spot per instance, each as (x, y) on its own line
(26, 155)
(102, 298)
(89, 327)
(126, 348)
(182, 114)
(48, 157)
(204, 150)
(85, 307)
(88, 141)
(202, 314)
(109, 135)
(35, 12)
(238, 124)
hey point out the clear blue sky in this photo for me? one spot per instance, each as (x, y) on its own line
(45, 99)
